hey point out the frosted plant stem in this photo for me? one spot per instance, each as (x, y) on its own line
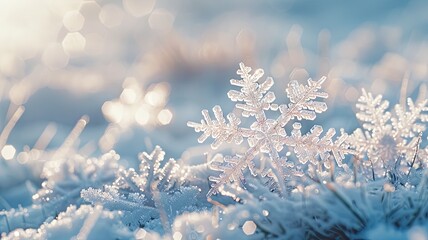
(277, 170)
(10, 125)
(7, 222)
(160, 207)
(403, 89)
(342, 199)
(71, 138)
(4, 203)
(416, 154)
(46, 137)
(89, 223)
(355, 160)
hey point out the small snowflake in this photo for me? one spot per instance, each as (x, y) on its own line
(388, 137)
(137, 192)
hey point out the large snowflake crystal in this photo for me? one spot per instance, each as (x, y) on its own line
(265, 135)
(139, 192)
(389, 137)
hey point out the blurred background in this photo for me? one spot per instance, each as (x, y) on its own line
(139, 70)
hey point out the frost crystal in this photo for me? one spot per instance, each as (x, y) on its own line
(66, 178)
(265, 135)
(86, 222)
(136, 191)
(388, 137)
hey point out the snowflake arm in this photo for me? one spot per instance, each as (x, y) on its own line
(373, 112)
(218, 129)
(303, 103)
(150, 166)
(231, 169)
(255, 97)
(409, 123)
(311, 147)
(155, 169)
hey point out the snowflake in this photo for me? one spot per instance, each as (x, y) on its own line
(139, 192)
(266, 135)
(388, 137)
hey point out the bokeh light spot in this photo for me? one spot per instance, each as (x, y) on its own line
(8, 152)
(73, 43)
(177, 236)
(138, 8)
(111, 15)
(142, 116)
(249, 228)
(73, 21)
(54, 56)
(113, 111)
(165, 116)
(161, 20)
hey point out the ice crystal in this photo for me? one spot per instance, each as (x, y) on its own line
(140, 192)
(388, 137)
(29, 217)
(65, 179)
(266, 135)
(86, 222)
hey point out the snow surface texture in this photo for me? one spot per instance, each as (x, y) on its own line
(318, 193)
